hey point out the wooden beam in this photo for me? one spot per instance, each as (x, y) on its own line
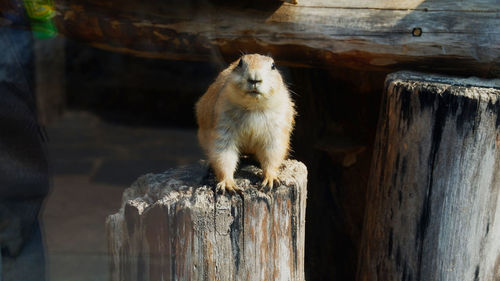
(424, 5)
(430, 35)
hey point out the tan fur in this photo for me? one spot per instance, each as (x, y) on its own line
(239, 116)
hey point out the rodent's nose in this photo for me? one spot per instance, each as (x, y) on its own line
(253, 81)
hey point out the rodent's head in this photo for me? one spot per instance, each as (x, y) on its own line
(255, 77)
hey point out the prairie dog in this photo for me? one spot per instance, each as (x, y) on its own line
(247, 110)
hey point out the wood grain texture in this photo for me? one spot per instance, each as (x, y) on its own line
(320, 33)
(433, 199)
(429, 5)
(171, 227)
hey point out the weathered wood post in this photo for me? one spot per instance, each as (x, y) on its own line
(172, 227)
(433, 205)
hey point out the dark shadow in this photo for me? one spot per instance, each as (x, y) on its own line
(24, 175)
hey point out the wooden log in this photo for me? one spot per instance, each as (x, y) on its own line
(382, 34)
(433, 203)
(172, 227)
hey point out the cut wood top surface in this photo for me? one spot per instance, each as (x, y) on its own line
(412, 77)
(437, 35)
(173, 184)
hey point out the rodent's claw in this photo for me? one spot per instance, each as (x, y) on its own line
(220, 188)
(269, 182)
(228, 185)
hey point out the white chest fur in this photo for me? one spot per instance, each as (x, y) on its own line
(259, 129)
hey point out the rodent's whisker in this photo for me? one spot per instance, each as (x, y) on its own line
(293, 93)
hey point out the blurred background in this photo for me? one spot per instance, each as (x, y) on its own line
(108, 89)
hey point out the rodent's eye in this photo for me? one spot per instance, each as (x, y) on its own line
(240, 64)
(273, 66)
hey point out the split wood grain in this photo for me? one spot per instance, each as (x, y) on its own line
(433, 209)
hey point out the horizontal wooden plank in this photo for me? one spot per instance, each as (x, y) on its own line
(311, 33)
(429, 5)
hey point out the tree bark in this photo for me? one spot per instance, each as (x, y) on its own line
(172, 227)
(433, 209)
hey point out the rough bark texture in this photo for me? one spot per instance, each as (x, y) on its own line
(433, 208)
(171, 227)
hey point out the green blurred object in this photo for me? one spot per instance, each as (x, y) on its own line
(41, 13)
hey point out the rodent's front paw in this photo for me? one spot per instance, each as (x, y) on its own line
(269, 181)
(229, 185)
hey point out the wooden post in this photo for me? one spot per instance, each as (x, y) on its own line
(433, 204)
(171, 227)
